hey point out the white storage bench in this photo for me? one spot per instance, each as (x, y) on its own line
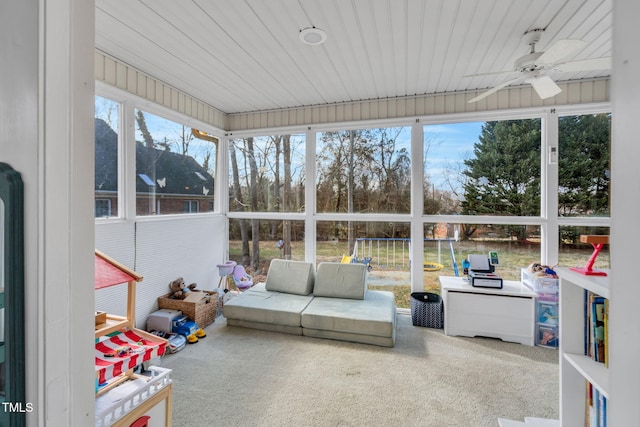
(507, 313)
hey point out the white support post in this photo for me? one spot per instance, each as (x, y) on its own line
(310, 197)
(550, 230)
(417, 207)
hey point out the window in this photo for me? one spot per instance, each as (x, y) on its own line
(584, 145)
(175, 166)
(575, 254)
(266, 174)
(106, 156)
(471, 170)
(446, 246)
(384, 247)
(103, 208)
(191, 206)
(364, 171)
(490, 168)
(256, 242)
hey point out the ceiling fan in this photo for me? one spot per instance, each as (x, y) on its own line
(534, 67)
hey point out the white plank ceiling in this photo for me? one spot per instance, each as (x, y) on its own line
(246, 55)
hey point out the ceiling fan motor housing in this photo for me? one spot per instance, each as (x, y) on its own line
(532, 37)
(527, 62)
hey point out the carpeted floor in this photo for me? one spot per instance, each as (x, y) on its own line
(244, 377)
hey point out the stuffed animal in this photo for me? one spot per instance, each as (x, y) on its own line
(179, 289)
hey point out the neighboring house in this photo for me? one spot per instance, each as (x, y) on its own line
(167, 182)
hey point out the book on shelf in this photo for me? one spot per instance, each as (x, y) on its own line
(595, 327)
(606, 332)
(595, 407)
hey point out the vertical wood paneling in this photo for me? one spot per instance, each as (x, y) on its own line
(99, 66)
(117, 74)
(560, 98)
(120, 75)
(438, 107)
(110, 71)
(141, 85)
(132, 80)
(150, 89)
(573, 93)
(587, 90)
(392, 108)
(158, 90)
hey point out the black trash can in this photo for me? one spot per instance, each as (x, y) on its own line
(427, 310)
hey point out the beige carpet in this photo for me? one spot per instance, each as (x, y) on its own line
(244, 377)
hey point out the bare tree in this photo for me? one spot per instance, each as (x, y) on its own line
(276, 184)
(237, 192)
(253, 199)
(286, 225)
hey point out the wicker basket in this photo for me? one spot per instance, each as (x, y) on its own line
(203, 312)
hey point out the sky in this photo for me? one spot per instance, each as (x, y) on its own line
(446, 147)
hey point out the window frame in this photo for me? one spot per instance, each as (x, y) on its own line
(548, 220)
(127, 153)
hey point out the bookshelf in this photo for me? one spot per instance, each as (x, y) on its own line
(575, 367)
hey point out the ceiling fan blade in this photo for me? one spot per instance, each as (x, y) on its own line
(560, 50)
(544, 86)
(494, 90)
(585, 65)
(493, 73)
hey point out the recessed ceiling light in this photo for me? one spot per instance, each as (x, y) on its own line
(313, 36)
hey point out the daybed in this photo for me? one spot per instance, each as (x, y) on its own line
(333, 303)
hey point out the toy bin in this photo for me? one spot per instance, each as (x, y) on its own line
(547, 336)
(547, 312)
(201, 307)
(542, 285)
(427, 309)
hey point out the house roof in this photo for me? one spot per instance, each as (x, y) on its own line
(158, 170)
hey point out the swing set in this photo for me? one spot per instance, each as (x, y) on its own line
(386, 250)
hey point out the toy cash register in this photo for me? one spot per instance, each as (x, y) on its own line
(482, 271)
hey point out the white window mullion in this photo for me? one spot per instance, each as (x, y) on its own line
(127, 158)
(310, 197)
(221, 185)
(417, 207)
(549, 229)
(221, 188)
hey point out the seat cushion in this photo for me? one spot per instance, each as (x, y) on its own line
(375, 315)
(262, 306)
(337, 280)
(292, 277)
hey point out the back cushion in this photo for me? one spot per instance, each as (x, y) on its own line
(337, 280)
(292, 277)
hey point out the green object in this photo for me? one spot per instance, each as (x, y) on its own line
(12, 363)
(493, 258)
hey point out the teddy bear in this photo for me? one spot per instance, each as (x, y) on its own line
(179, 289)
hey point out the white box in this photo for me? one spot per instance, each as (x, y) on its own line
(507, 313)
(161, 320)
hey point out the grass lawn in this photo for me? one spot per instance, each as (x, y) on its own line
(390, 264)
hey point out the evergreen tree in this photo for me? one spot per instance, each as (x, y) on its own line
(504, 175)
(584, 142)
